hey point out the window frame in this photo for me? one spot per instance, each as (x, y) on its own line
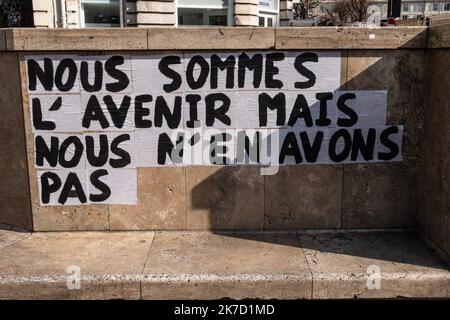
(267, 16)
(270, 13)
(82, 17)
(229, 9)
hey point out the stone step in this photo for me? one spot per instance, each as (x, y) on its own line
(209, 265)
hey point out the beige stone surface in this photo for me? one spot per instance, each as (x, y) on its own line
(350, 38)
(9, 236)
(197, 38)
(43, 19)
(55, 288)
(380, 195)
(253, 2)
(73, 19)
(43, 13)
(228, 38)
(386, 195)
(224, 197)
(385, 38)
(145, 18)
(109, 265)
(246, 20)
(15, 208)
(203, 265)
(161, 202)
(434, 213)
(244, 8)
(439, 35)
(14, 190)
(339, 263)
(300, 197)
(76, 39)
(440, 19)
(68, 218)
(308, 38)
(207, 265)
(41, 5)
(72, 5)
(155, 6)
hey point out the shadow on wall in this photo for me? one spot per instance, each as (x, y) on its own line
(341, 196)
(397, 247)
(349, 196)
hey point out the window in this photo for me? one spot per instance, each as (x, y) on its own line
(447, 7)
(435, 6)
(420, 7)
(266, 4)
(203, 13)
(268, 13)
(100, 13)
(406, 7)
(261, 21)
(266, 20)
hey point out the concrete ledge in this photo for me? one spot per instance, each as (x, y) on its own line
(202, 265)
(351, 38)
(172, 38)
(238, 265)
(439, 36)
(440, 19)
(76, 39)
(210, 38)
(344, 263)
(40, 266)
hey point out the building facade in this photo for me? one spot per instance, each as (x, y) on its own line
(141, 13)
(414, 8)
(409, 8)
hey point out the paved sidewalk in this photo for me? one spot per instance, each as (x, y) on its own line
(208, 265)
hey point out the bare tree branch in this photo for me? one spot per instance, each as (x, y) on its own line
(303, 9)
(358, 10)
(12, 12)
(348, 11)
(339, 13)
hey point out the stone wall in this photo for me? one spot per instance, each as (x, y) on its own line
(286, 7)
(144, 13)
(15, 207)
(246, 13)
(434, 217)
(316, 196)
(43, 14)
